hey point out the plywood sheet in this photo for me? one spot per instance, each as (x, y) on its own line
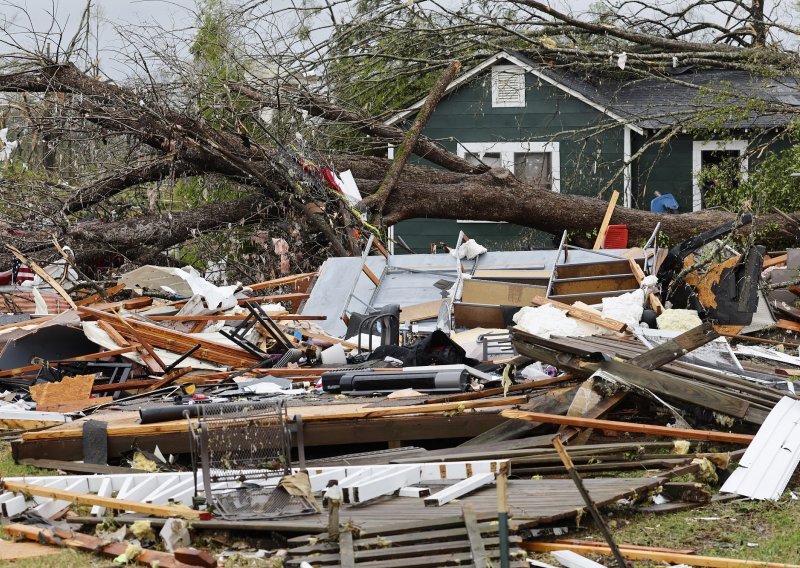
(19, 550)
(70, 389)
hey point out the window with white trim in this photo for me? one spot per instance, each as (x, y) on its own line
(710, 153)
(536, 163)
(508, 86)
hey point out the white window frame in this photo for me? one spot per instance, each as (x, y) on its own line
(516, 70)
(507, 151)
(698, 147)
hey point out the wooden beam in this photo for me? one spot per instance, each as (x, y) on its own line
(775, 261)
(656, 556)
(235, 317)
(113, 333)
(583, 314)
(676, 347)
(371, 275)
(108, 502)
(653, 430)
(477, 548)
(42, 273)
(638, 273)
(149, 355)
(788, 325)
(94, 298)
(168, 378)
(601, 234)
(102, 354)
(347, 555)
(283, 281)
(459, 489)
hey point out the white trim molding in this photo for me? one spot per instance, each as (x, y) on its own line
(507, 151)
(700, 146)
(511, 58)
(627, 177)
(508, 86)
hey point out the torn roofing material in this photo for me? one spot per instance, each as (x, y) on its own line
(772, 457)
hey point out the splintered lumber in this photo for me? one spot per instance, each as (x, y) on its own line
(294, 279)
(168, 378)
(70, 390)
(583, 314)
(94, 298)
(149, 355)
(42, 273)
(601, 234)
(107, 502)
(654, 555)
(88, 543)
(176, 341)
(653, 430)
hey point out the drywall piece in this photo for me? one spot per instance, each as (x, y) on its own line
(772, 456)
(459, 489)
(571, 559)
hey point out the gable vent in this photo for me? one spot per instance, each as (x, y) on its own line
(508, 86)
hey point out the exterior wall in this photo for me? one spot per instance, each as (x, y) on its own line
(590, 147)
(669, 168)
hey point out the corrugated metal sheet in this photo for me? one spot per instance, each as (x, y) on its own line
(20, 301)
(772, 457)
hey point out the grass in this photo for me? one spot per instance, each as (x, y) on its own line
(10, 469)
(747, 530)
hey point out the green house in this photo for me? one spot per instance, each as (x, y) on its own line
(591, 135)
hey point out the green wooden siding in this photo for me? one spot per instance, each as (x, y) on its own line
(590, 147)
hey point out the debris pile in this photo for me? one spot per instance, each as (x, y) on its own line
(399, 409)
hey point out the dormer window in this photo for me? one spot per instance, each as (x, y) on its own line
(508, 86)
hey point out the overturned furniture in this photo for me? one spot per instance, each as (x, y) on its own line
(237, 450)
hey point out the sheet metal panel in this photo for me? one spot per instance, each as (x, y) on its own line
(772, 457)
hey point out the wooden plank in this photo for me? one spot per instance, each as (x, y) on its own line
(594, 285)
(77, 467)
(283, 281)
(601, 234)
(638, 273)
(676, 347)
(656, 556)
(788, 325)
(653, 430)
(479, 557)
(113, 333)
(168, 378)
(621, 546)
(42, 273)
(178, 342)
(606, 267)
(235, 317)
(94, 298)
(583, 314)
(775, 261)
(371, 275)
(347, 554)
(420, 409)
(20, 370)
(418, 312)
(87, 543)
(156, 365)
(20, 550)
(459, 489)
(108, 502)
